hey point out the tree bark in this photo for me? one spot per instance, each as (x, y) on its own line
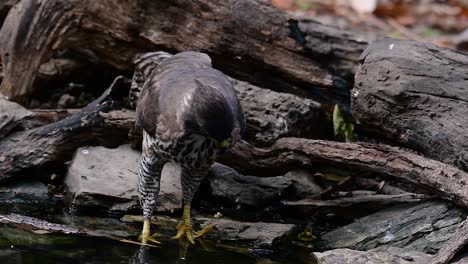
(288, 153)
(249, 39)
(415, 95)
(55, 143)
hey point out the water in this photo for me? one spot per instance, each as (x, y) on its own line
(22, 246)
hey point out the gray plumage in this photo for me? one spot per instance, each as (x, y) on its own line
(186, 109)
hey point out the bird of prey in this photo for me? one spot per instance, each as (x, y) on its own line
(189, 113)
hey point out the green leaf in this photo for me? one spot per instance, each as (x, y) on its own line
(333, 177)
(431, 32)
(304, 6)
(341, 127)
(338, 121)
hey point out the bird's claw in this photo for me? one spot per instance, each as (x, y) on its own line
(184, 230)
(149, 238)
(145, 236)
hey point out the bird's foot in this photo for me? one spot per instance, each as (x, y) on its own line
(184, 230)
(146, 236)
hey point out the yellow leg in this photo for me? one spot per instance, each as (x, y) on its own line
(184, 229)
(145, 236)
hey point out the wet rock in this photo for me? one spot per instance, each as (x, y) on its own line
(107, 178)
(32, 189)
(379, 255)
(423, 227)
(258, 234)
(226, 183)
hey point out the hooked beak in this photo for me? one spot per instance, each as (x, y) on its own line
(221, 145)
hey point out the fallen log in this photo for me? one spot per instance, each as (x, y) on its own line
(55, 143)
(44, 227)
(289, 153)
(334, 49)
(453, 246)
(5, 6)
(414, 95)
(257, 42)
(356, 199)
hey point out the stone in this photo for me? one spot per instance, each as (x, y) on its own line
(303, 183)
(33, 189)
(423, 227)
(257, 234)
(379, 255)
(254, 191)
(107, 178)
(10, 115)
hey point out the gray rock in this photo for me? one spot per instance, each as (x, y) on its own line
(107, 178)
(258, 234)
(379, 255)
(225, 182)
(10, 115)
(33, 189)
(303, 183)
(423, 227)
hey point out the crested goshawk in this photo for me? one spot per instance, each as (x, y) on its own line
(189, 113)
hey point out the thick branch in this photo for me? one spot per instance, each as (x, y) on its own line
(56, 142)
(289, 153)
(415, 95)
(248, 39)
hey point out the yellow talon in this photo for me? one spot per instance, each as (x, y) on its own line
(145, 236)
(184, 229)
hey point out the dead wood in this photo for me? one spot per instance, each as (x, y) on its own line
(41, 117)
(415, 95)
(356, 199)
(35, 225)
(55, 143)
(289, 153)
(334, 49)
(453, 246)
(5, 6)
(250, 40)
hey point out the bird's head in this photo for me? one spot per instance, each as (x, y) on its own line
(216, 116)
(227, 143)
